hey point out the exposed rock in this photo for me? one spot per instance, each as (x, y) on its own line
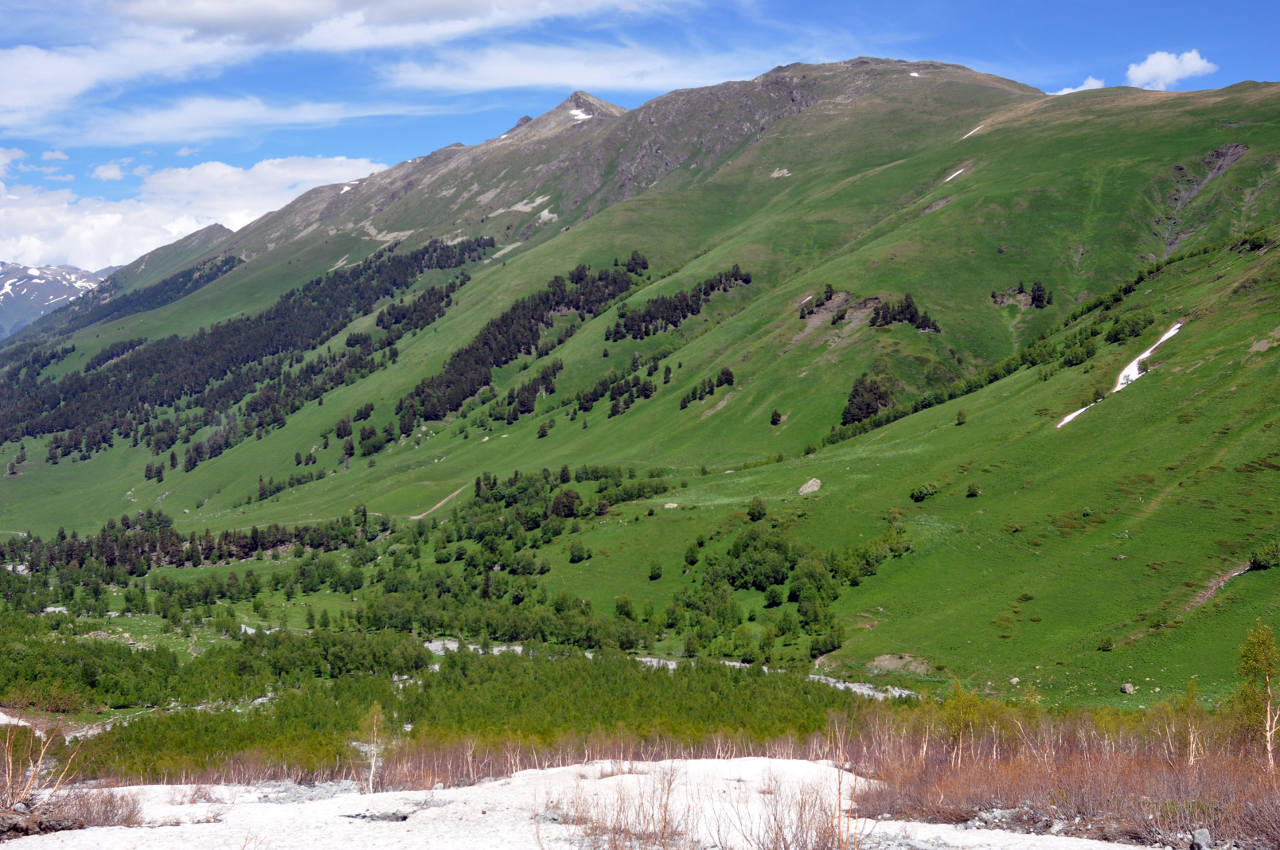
(1200, 840)
(813, 485)
(1128, 688)
(17, 824)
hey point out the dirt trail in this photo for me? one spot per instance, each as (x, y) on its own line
(1215, 585)
(439, 504)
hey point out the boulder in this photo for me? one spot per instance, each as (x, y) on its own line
(1200, 840)
(1128, 688)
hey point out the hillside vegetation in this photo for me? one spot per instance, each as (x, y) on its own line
(766, 372)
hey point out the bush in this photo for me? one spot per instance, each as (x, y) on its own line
(1266, 557)
(756, 510)
(924, 491)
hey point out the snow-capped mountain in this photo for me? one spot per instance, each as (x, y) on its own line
(27, 292)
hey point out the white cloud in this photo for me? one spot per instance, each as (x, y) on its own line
(1089, 84)
(589, 66)
(45, 227)
(204, 118)
(1161, 69)
(48, 155)
(54, 78)
(340, 25)
(8, 155)
(187, 150)
(74, 91)
(110, 171)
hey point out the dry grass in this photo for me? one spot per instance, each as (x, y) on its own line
(95, 807)
(652, 817)
(1144, 784)
(25, 771)
(1142, 777)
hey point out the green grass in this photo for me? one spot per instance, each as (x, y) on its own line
(1066, 191)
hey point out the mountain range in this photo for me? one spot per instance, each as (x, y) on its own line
(782, 361)
(28, 292)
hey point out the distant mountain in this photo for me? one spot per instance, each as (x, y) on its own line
(27, 292)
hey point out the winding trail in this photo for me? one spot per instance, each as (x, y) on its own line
(439, 504)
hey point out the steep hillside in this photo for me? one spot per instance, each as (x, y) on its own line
(573, 355)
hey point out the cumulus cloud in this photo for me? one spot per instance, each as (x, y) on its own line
(1088, 84)
(1162, 69)
(589, 66)
(42, 226)
(110, 171)
(48, 155)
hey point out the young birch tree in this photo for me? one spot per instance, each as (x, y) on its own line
(1260, 667)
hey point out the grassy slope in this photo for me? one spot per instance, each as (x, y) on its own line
(1045, 196)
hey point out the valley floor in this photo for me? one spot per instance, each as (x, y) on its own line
(729, 803)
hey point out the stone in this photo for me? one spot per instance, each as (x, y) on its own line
(1200, 840)
(1128, 688)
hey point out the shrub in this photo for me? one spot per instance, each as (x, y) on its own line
(1266, 557)
(756, 509)
(924, 491)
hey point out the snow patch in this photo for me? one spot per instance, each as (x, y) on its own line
(1131, 372)
(10, 720)
(344, 190)
(914, 74)
(1071, 416)
(726, 803)
(780, 172)
(954, 176)
(971, 132)
(547, 216)
(579, 115)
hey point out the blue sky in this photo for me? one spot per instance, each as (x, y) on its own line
(125, 124)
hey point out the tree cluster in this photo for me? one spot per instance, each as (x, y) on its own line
(890, 312)
(667, 312)
(515, 332)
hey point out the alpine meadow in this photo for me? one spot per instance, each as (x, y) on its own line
(779, 373)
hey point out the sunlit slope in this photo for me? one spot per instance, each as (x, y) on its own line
(826, 198)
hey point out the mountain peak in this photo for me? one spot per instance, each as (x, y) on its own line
(578, 108)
